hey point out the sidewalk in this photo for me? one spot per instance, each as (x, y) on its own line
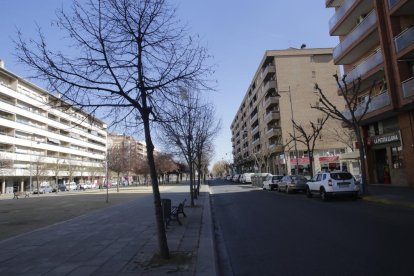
(391, 195)
(119, 240)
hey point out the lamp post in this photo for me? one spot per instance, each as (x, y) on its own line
(293, 126)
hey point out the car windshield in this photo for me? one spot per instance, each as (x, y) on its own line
(341, 176)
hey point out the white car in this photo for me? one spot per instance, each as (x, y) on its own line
(328, 184)
(71, 186)
(246, 178)
(271, 182)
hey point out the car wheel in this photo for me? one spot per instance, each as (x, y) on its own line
(308, 192)
(324, 196)
(270, 188)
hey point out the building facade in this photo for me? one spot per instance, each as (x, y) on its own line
(283, 89)
(43, 139)
(377, 44)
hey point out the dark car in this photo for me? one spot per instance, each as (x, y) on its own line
(292, 183)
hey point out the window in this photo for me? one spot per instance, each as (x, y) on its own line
(397, 157)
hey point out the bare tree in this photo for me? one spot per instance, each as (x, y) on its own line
(117, 161)
(179, 134)
(132, 56)
(140, 167)
(206, 129)
(165, 164)
(308, 135)
(356, 109)
(40, 171)
(5, 166)
(344, 135)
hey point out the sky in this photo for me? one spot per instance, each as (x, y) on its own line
(237, 34)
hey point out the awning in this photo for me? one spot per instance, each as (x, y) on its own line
(349, 155)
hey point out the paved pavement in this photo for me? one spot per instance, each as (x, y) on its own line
(118, 240)
(391, 195)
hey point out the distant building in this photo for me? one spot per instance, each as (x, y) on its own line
(377, 44)
(262, 126)
(45, 138)
(136, 147)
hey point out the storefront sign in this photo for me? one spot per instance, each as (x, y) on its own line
(304, 160)
(328, 158)
(386, 138)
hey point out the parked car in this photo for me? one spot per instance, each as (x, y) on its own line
(246, 178)
(62, 187)
(87, 185)
(229, 177)
(236, 178)
(272, 182)
(43, 189)
(291, 183)
(328, 184)
(71, 186)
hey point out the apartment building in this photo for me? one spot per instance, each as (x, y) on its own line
(282, 89)
(377, 44)
(136, 147)
(44, 139)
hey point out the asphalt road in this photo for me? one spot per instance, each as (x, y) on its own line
(270, 233)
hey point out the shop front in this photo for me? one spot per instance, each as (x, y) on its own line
(386, 154)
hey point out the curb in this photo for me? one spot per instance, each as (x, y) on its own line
(386, 201)
(206, 255)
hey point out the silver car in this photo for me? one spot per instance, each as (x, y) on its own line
(291, 183)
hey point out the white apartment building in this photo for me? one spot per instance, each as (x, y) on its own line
(44, 139)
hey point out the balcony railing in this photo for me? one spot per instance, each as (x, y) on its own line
(254, 130)
(356, 33)
(269, 85)
(253, 118)
(376, 103)
(273, 132)
(273, 115)
(271, 100)
(392, 3)
(365, 66)
(404, 39)
(269, 69)
(341, 12)
(408, 88)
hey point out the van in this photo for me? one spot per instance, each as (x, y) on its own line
(246, 178)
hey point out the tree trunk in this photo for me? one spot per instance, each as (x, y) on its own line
(119, 183)
(361, 148)
(162, 238)
(191, 181)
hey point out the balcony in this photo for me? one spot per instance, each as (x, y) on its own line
(364, 67)
(401, 7)
(348, 51)
(343, 21)
(392, 3)
(377, 102)
(271, 116)
(271, 100)
(273, 132)
(256, 141)
(404, 42)
(332, 3)
(254, 117)
(269, 85)
(268, 71)
(255, 129)
(275, 147)
(408, 88)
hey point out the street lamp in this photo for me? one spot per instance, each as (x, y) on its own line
(293, 126)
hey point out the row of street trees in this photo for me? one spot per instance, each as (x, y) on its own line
(128, 60)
